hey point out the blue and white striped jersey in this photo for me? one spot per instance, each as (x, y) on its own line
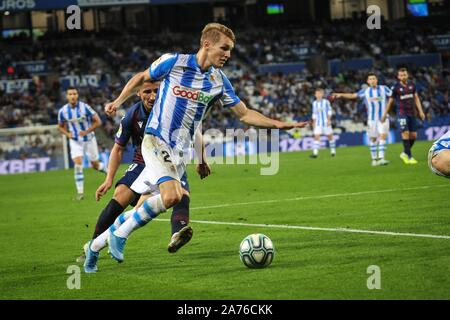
(375, 100)
(321, 110)
(185, 96)
(443, 143)
(78, 118)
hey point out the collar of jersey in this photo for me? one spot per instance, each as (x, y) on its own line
(76, 106)
(210, 70)
(143, 110)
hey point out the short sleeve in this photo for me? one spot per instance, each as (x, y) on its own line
(89, 111)
(388, 91)
(229, 97)
(61, 118)
(124, 132)
(162, 66)
(393, 92)
(361, 93)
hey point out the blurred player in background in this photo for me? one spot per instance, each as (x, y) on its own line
(405, 95)
(77, 121)
(375, 97)
(439, 156)
(321, 115)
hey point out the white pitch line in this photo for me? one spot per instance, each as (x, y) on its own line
(388, 233)
(318, 197)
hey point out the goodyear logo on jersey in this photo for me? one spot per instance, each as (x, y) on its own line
(193, 95)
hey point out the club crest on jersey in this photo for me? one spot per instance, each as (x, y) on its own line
(140, 124)
(192, 95)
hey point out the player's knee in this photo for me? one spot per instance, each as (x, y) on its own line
(172, 198)
(123, 195)
(442, 163)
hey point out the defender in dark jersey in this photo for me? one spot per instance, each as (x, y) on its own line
(407, 100)
(132, 127)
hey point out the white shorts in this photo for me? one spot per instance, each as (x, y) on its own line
(79, 148)
(319, 130)
(142, 186)
(161, 164)
(377, 128)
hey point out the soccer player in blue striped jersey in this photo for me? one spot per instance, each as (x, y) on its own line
(321, 115)
(439, 156)
(375, 98)
(191, 85)
(77, 121)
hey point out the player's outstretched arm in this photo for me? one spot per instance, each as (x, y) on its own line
(388, 109)
(419, 106)
(128, 91)
(254, 118)
(350, 96)
(113, 165)
(203, 169)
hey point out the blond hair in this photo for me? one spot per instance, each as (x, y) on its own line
(212, 32)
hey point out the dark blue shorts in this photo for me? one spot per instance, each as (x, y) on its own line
(135, 169)
(407, 123)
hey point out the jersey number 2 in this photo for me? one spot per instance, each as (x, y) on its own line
(166, 156)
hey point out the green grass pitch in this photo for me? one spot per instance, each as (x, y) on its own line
(42, 231)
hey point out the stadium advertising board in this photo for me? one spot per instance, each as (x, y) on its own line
(28, 165)
(88, 80)
(38, 67)
(22, 5)
(442, 42)
(18, 85)
(94, 3)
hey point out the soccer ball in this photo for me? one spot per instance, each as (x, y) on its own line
(256, 251)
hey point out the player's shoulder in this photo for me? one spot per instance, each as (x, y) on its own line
(131, 111)
(396, 85)
(169, 58)
(63, 108)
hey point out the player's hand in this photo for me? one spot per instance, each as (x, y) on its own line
(203, 170)
(110, 109)
(422, 116)
(383, 118)
(333, 97)
(102, 190)
(291, 125)
(82, 133)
